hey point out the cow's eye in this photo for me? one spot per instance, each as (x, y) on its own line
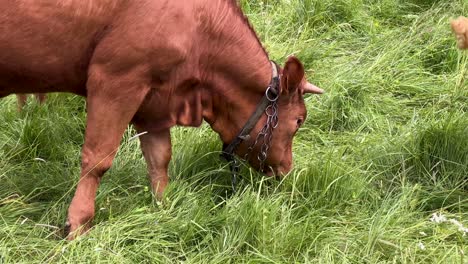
(300, 121)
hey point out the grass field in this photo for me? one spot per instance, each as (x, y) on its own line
(383, 150)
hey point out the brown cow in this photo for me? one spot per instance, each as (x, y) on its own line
(152, 63)
(460, 29)
(22, 98)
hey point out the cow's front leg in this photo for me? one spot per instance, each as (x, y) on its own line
(156, 147)
(112, 101)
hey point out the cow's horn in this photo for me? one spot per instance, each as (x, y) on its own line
(310, 88)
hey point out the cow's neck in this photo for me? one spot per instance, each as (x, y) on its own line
(238, 69)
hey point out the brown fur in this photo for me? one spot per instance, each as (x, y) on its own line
(460, 29)
(152, 63)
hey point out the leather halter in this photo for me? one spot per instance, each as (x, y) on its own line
(271, 95)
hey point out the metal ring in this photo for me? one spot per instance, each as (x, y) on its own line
(268, 97)
(271, 111)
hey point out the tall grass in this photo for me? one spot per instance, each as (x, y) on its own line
(382, 150)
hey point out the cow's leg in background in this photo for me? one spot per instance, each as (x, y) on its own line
(40, 97)
(156, 147)
(112, 101)
(22, 98)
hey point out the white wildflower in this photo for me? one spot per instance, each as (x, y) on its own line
(421, 246)
(438, 218)
(460, 226)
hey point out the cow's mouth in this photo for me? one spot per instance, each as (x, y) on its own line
(276, 171)
(271, 171)
(268, 172)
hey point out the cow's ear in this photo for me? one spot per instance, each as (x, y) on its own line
(293, 74)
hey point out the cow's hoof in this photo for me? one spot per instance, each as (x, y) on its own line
(66, 229)
(71, 232)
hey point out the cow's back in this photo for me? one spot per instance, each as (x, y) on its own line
(45, 46)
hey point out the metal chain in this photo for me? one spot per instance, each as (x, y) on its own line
(265, 136)
(266, 133)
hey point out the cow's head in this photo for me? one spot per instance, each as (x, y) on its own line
(291, 115)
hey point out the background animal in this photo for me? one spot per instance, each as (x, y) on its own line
(460, 28)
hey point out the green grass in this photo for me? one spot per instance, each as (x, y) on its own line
(381, 151)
